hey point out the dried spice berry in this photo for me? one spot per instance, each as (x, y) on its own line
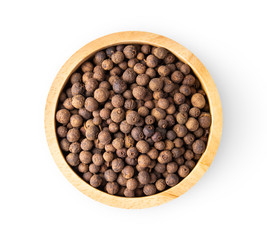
(133, 120)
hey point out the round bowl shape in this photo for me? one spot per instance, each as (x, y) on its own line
(133, 37)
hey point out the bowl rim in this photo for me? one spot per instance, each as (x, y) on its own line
(134, 37)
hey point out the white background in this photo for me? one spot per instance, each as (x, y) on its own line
(37, 37)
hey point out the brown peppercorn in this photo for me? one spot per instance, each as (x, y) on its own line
(137, 133)
(156, 84)
(121, 180)
(72, 159)
(91, 132)
(180, 130)
(139, 68)
(158, 113)
(204, 120)
(62, 131)
(117, 57)
(189, 138)
(64, 144)
(171, 179)
(110, 175)
(163, 103)
(179, 98)
(90, 104)
(131, 184)
(75, 77)
(132, 117)
(163, 71)
(194, 112)
(192, 124)
(117, 115)
(73, 135)
(184, 68)
(143, 177)
(160, 184)
(177, 77)
(132, 152)
(198, 100)
(118, 143)
(172, 167)
(165, 157)
(117, 165)
(104, 137)
(95, 180)
(189, 80)
(183, 171)
(117, 101)
(160, 145)
(77, 88)
(63, 116)
(107, 64)
(149, 189)
(83, 168)
(198, 146)
(87, 67)
(190, 164)
(157, 136)
(119, 86)
(130, 51)
(128, 193)
(150, 120)
(87, 176)
(182, 117)
(162, 123)
(185, 89)
(143, 161)
(160, 52)
(139, 92)
(76, 120)
(101, 95)
(148, 130)
(127, 172)
(85, 157)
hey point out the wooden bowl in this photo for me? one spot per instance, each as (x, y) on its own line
(134, 38)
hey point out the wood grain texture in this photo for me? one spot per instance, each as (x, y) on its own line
(141, 38)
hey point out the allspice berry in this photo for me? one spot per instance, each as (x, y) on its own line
(132, 117)
(152, 61)
(192, 124)
(160, 52)
(198, 146)
(95, 180)
(171, 179)
(76, 121)
(204, 120)
(198, 100)
(165, 157)
(149, 189)
(143, 161)
(91, 132)
(143, 177)
(117, 165)
(107, 64)
(110, 175)
(77, 101)
(117, 57)
(185, 69)
(73, 135)
(156, 84)
(104, 137)
(158, 113)
(112, 188)
(63, 116)
(72, 159)
(183, 171)
(90, 104)
(160, 184)
(127, 172)
(101, 94)
(139, 92)
(85, 157)
(130, 51)
(117, 115)
(131, 184)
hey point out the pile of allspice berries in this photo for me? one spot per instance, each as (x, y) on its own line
(133, 120)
